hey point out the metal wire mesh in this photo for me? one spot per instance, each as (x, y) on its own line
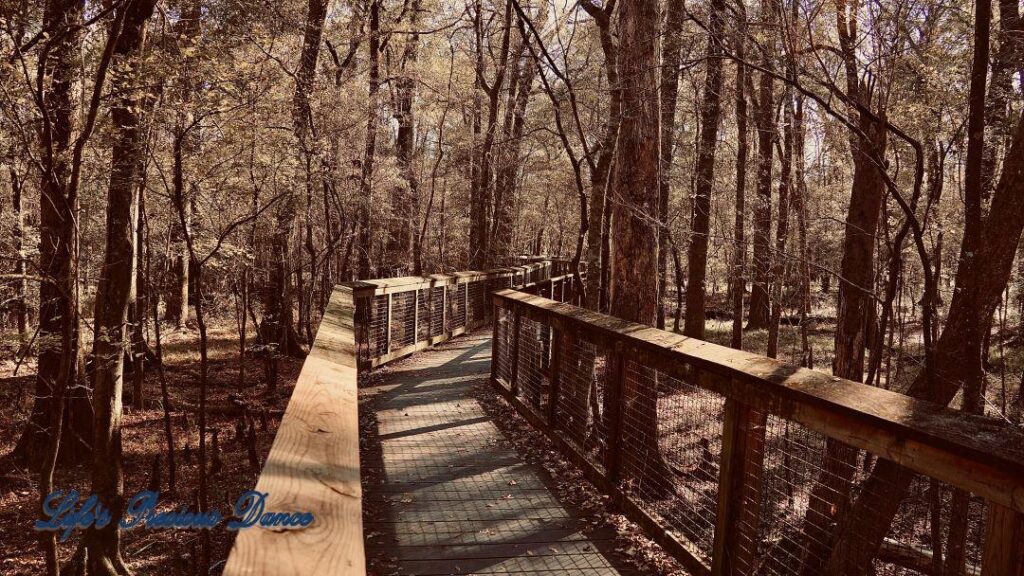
(580, 404)
(807, 487)
(436, 311)
(424, 310)
(503, 346)
(456, 295)
(671, 441)
(377, 326)
(403, 319)
(477, 301)
(531, 376)
(807, 500)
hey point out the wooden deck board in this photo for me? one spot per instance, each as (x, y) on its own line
(444, 491)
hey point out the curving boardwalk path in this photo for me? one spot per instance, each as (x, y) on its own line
(443, 491)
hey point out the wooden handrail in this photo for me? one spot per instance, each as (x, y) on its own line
(313, 465)
(981, 455)
(920, 435)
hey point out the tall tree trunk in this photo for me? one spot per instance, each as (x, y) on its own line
(595, 284)
(976, 326)
(58, 336)
(671, 54)
(21, 285)
(700, 222)
(764, 114)
(782, 228)
(302, 124)
(405, 200)
(187, 139)
(116, 289)
(1005, 63)
(800, 205)
(739, 280)
(505, 180)
(370, 150)
(829, 498)
(634, 236)
(484, 253)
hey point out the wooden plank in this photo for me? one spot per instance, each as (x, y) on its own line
(613, 391)
(313, 465)
(1004, 542)
(739, 490)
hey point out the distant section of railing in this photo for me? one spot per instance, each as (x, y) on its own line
(730, 460)
(395, 317)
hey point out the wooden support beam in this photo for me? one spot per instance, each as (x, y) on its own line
(1004, 542)
(613, 400)
(739, 490)
(387, 324)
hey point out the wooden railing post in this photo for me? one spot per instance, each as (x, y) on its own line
(616, 378)
(556, 376)
(513, 383)
(739, 489)
(496, 342)
(416, 316)
(1004, 542)
(444, 308)
(387, 325)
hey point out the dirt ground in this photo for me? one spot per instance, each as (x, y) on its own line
(169, 552)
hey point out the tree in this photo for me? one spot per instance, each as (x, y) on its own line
(764, 122)
(188, 142)
(601, 168)
(700, 225)
(867, 144)
(671, 55)
(634, 222)
(739, 281)
(372, 120)
(101, 553)
(404, 200)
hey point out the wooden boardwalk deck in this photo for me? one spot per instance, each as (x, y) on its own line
(443, 491)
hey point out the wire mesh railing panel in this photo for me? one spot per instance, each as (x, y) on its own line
(436, 311)
(671, 443)
(477, 301)
(424, 311)
(457, 306)
(378, 326)
(532, 380)
(403, 319)
(579, 414)
(363, 312)
(819, 500)
(502, 346)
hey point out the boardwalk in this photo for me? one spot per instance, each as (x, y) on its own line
(444, 493)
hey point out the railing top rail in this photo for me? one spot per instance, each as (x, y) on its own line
(313, 465)
(403, 283)
(977, 453)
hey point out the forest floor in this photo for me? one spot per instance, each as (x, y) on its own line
(169, 552)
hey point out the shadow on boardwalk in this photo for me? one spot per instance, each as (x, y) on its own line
(444, 492)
